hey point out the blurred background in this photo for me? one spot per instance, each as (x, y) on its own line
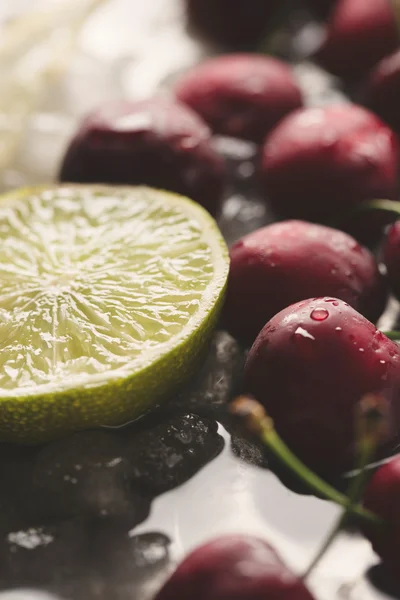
(61, 58)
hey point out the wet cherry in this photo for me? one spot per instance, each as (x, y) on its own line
(310, 366)
(155, 142)
(285, 262)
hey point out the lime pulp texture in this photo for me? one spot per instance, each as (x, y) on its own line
(108, 298)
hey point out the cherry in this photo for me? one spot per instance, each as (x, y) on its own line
(234, 567)
(156, 142)
(241, 95)
(310, 366)
(285, 262)
(359, 34)
(321, 162)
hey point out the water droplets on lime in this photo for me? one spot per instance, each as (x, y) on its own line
(97, 284)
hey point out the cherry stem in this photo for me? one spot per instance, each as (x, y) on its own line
(392, 335)
(260, 424)
(354, 495)
(389, 206)
(386, 205)
(371, 427)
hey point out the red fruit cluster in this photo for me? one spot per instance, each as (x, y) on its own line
(299, 291)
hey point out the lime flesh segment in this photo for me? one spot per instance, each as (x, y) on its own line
(108, 297)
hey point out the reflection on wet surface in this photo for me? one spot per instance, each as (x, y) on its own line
(71, 507)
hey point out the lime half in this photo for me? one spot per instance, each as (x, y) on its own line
(108, 297)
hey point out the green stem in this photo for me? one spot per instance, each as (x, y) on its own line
(391, 206)
(392, 335)
(354, 495)
(272, 440)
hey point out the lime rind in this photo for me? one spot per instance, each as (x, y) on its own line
(114, 393)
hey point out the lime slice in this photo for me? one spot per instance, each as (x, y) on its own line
(108, 298)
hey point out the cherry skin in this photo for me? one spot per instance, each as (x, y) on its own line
(235, 567)
(382, 497)
(241, 95)
(321, 162)
(359, 34)
(285, 262)
(310, 366)
(155, 142)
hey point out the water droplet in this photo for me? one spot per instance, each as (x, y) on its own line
(361, 350)
(338, 329)
(382, 362)
(319, 314)
(332, 301)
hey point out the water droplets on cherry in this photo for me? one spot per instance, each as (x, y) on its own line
(319, 314)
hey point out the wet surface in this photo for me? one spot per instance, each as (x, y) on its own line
(70, 508)
(84, 558)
